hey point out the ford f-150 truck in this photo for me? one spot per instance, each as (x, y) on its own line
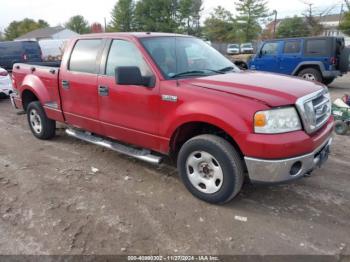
(149, 95)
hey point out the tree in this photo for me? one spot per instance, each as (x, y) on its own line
(345, 24)
(189, 16)
(18, 28)
(312, 22)
(250, 13)
(78, 24)
(156, 16)
(220, 26)
(292, 27)
(96, 28)
(123, 16)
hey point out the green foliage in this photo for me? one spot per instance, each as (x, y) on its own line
(156, 15)
(189, 16)
(345, 24)
(250, 13)
(122, 16)
(18, 28)
(221, 26)
(78, 24)
(292, 27)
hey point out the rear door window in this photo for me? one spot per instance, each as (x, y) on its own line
(292, 47)
(316, 47)
(84, 56)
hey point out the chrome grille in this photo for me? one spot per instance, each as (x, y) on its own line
(315, 110)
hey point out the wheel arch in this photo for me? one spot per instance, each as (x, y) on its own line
(188, 130)
(33, 89)
(311, 64)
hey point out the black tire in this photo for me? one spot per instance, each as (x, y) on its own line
(47, 126)
(328, 81)
(227, 160)
(341, 128)
(344, 60)
(311, 72)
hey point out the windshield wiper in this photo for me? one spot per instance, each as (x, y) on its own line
(196, 72)
(226, 69)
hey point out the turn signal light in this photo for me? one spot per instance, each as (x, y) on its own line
(260, 120)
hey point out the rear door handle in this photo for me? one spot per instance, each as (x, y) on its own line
(103, 90)
(65, 84)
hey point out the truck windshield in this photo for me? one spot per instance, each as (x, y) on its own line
(186, 56)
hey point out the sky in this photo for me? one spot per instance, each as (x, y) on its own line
(57, 12)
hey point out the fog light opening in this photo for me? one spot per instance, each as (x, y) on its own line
(296, 168)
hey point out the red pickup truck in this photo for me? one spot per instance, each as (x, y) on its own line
(148, 95)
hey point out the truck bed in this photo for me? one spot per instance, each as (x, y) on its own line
(43, 81)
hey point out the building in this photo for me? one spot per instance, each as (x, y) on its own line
(47, 33)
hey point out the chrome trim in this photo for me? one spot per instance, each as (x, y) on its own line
(300, 104)
(142, 154)
(277, 171)
(52, 105)
(169, 98)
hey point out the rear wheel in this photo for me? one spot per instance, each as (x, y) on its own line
(211, 168)
(41, 126)
(328, 81)
(344, 60)
(311, 74)
(341, 128)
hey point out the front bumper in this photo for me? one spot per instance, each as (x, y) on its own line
(284, 170)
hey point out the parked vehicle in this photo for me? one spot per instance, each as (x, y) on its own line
(319, 59)
(52, 49)
(220, 124)
(233, 49)
(247, 48)
(5, 83)
(341, 113)
(12, 52)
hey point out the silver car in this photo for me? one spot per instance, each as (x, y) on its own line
(233, 49)
(247, 48)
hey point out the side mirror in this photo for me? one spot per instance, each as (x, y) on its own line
(131, 75)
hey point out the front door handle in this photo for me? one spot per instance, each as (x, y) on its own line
(65, 84)
(103, 90)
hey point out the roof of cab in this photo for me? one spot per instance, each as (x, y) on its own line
(130, 34)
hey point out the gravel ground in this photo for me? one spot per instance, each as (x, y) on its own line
(51, 202)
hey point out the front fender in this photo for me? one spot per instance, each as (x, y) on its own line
(233, 123)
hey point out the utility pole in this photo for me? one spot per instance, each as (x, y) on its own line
(105, 24)
(341, 13)
(274, 24)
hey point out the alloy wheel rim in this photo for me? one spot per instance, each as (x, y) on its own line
(35, 121)
(204, 172)
(310, 77)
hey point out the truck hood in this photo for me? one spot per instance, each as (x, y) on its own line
(272, 89)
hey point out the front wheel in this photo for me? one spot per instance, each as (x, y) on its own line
(211, 168)
(41, 126)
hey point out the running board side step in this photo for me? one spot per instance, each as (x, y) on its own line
(142, 154)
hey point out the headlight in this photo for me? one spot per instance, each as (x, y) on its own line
(277, 121)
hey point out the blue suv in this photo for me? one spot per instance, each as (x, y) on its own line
(319, 59)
